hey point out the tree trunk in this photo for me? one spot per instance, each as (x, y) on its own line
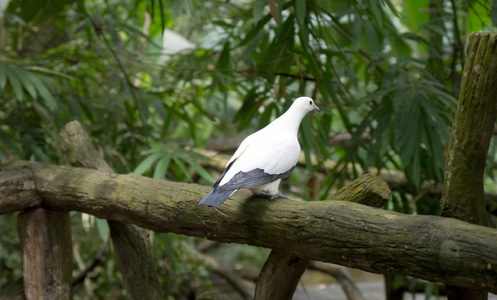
(45, 237)
(463, 194)
(349, 234)
(131, 243)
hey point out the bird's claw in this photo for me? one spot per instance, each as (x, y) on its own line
(269, 196)
(279, 195)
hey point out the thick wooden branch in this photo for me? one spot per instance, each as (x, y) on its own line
(427, 247)
(473, 126)
(132, 245)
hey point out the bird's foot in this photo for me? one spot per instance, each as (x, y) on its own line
(279, 195)
(269, 196)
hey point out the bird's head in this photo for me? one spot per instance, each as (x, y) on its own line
(306, 104)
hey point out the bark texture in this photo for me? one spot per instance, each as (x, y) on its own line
(472, 129)
(280, 276)
(350, 234)
(281, 273)
(131, 243)
(462, 195)
(46, 246)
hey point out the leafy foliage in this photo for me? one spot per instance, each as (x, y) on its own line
(385, 72)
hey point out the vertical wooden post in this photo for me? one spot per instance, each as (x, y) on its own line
(462, 195)
(46, 246)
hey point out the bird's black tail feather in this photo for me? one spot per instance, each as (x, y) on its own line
(216, 197)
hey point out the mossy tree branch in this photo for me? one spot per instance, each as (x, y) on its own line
(472, 129)
(354, 235)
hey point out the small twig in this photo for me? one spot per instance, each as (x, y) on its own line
(97, 259)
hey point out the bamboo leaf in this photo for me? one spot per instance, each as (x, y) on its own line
(258, 9)
(148, 162)
(138, 32)
(189, 8)
(16, 84)
(300, 11)
(493, 13)
(103, 229)
(279, 7)
(26, 81)
(182, 167)
(3, 74)
(194, 154)
(44, 93)
(162, 16)
(162, 167)
(306, 130)
(199, 169)
(248, 110)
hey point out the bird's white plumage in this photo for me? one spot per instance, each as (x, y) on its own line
(273, 153)
(275, 149)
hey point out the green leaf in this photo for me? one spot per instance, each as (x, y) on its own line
(224, 72)
(374, 5)
(162, 166)
(248, 110)
(148, 162)
(152, 8)
(279, 56)
(198, 168)
(44, 92)
(142, 106)
(279, 4)
(41, 155)
(26, 80)
(478, 15)
(193, 154)
(397, 282)
(266, 115)
(3, 74)
(183, 168)
(306, 130)
(406, 125)
(392, 8)
(138, 32)
(493, 13)
(103, 229)
(162, 16)
(416, 13)
(75, 107)
(300, 11)
(189, 8)
(258, 9)
(256, 30)
(16, 84)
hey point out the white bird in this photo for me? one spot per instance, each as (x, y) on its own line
(264, 157)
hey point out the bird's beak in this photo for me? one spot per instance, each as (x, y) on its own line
(316, 108)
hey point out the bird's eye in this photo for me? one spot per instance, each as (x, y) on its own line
(310, 102)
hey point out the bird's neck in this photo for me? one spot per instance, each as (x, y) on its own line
(289, 121)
